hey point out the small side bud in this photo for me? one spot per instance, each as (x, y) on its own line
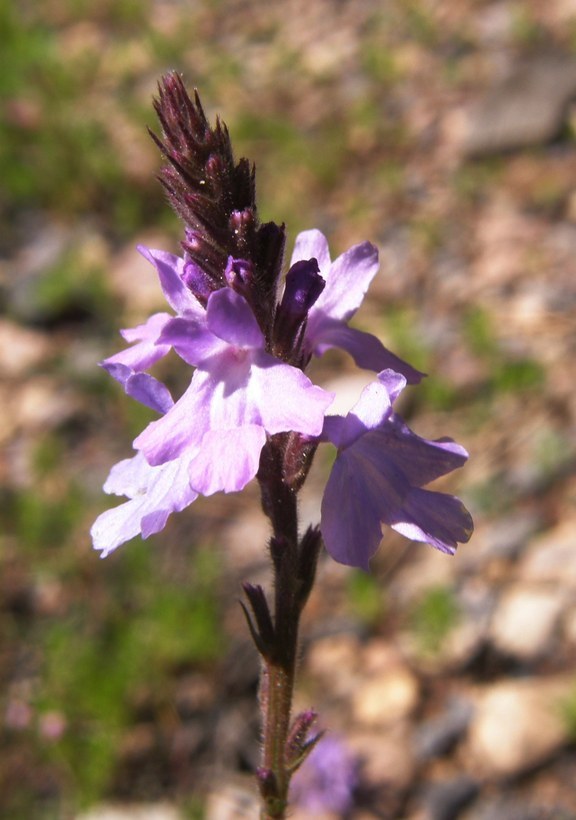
(198, 281)
(298, 736)
(267, 783)
(239, 274)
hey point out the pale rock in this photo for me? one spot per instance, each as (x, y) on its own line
(333, 661)
(501, 539)
(424, 569)
(385, 756)
(134, 811)
(232, 803)
(42, 403)
(304, 814)
(37, 405)
(527, 107)
(525, 620)
(386, 697)
(347, 390)
(21, 349)
(379, 656)
(551, 557)
(569, 624)
(242, 538)
(517, 725)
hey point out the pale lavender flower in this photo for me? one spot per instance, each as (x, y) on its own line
(209, 440)
(153, 492)
(238, 394)
(327, 779)
(377, 479)
(347, 280)
(147, 350)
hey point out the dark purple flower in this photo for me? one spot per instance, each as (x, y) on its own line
(378, 476)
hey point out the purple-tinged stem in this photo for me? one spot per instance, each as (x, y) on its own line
(294, 564)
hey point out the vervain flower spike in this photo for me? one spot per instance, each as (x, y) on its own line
(248, 333)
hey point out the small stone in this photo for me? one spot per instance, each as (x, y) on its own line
(21, 349)
(525, 619)
(551, 557)
(518, 724)
(333, 661)
(386, 697)
(527, 108)
(148, 811)
(445, 799)
(232, 803)
(438, 736)
(385, 757)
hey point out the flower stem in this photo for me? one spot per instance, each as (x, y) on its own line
(293, 578)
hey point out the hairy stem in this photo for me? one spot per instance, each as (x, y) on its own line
(279, 664)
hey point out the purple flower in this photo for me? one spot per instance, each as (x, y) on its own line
(347, 280)
(210, 439)
(173, 273)
(377, 478)
(327, 779)
(238, 394)
(154, 493)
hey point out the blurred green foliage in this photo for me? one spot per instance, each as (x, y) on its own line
(366, 597)
(567, 708)
(433, 617)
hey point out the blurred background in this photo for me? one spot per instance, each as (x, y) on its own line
(445, 133)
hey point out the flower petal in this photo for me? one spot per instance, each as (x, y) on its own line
(376, 479)
(182, 428)
(286, 399)
(146, 352)
(155, 492)
(228, 460)
(192, 340)
(170, 270)
(230, 318)
(312, 245)
(350, 516)
(435, 518)
(367, 351)
(419, 459)
(347, 281)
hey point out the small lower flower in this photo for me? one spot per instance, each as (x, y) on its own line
(327, 779)
(377, 479)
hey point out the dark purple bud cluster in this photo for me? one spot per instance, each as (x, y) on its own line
(216, 199)
(225, 244)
